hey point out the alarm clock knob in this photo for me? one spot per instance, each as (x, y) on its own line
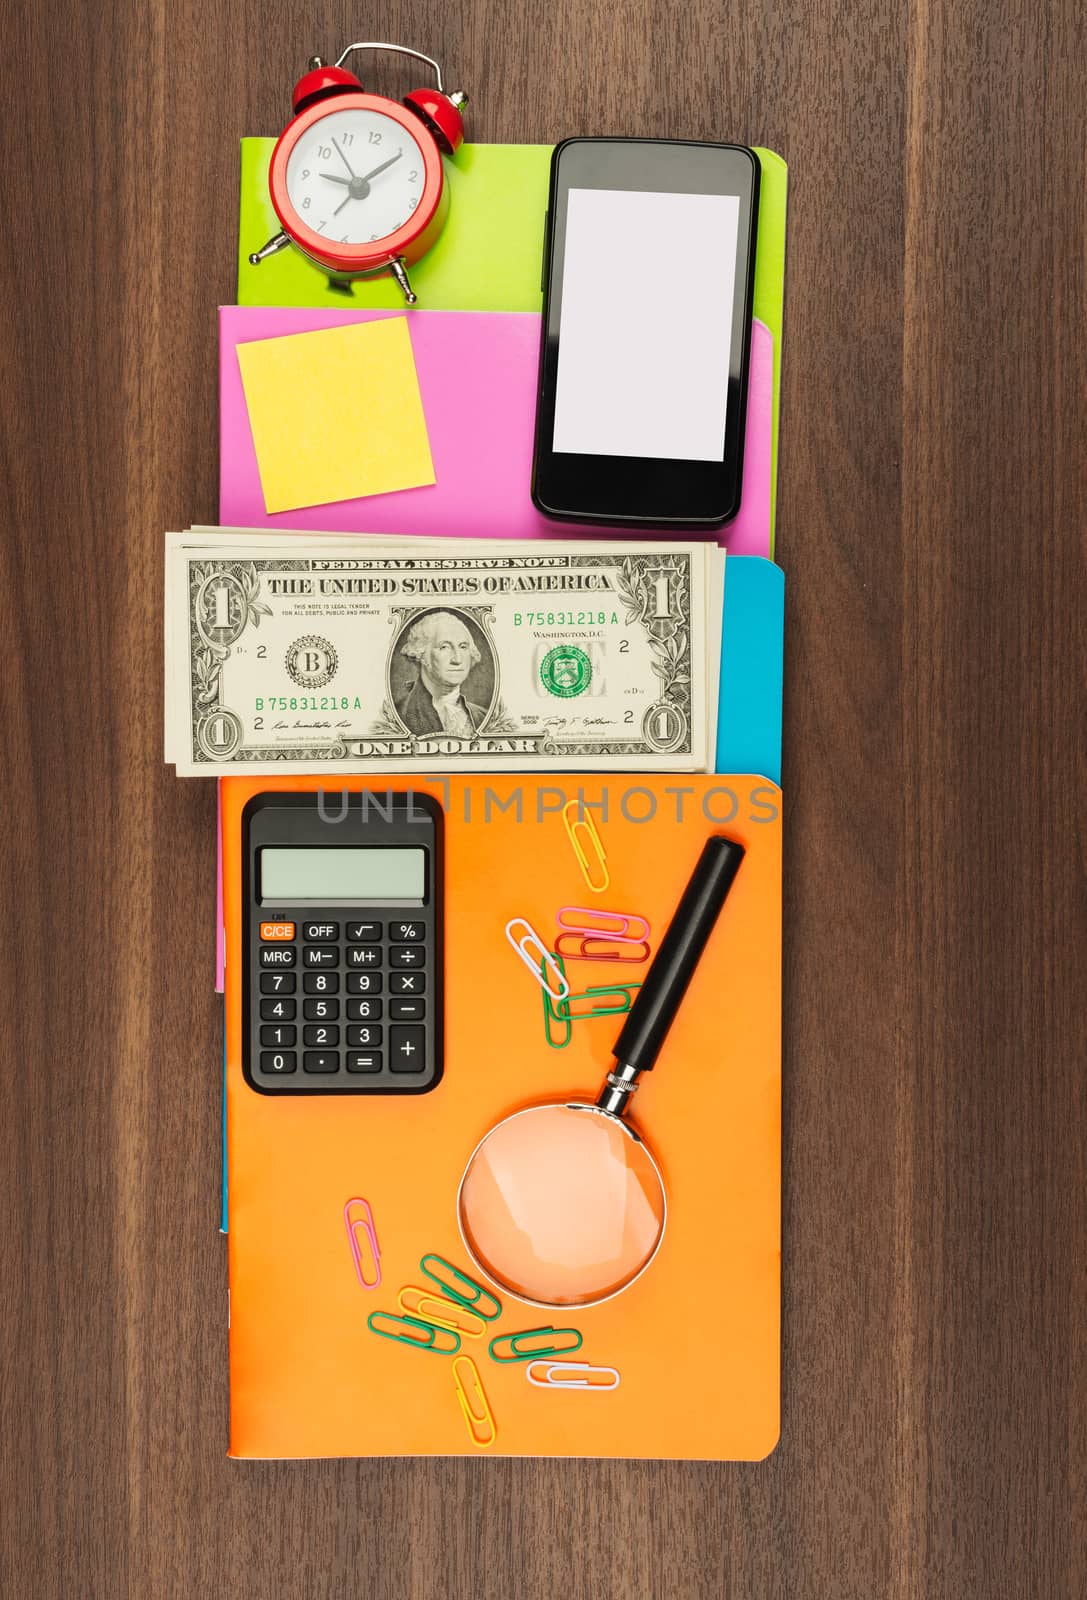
(442, 115)
(320, 82)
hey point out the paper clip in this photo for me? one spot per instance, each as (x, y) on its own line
(465, 1291)
(599, 862)
(538, 965)
(474, 1405)
(625, 919)
(564, 1009)
(420, 1335)
(365, 1224)
(586, 1381)
(629, 950)
(430, 1307)
(559, 1344)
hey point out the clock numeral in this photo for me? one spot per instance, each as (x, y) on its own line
(322, 224)
(307, 202)
(305, 172)
(324, 152)
(344, 239)
(413, 175)
(413, 202)
(348, 138)
(373, 138)
(374, 236)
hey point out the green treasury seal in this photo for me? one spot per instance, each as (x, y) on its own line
(566, 671)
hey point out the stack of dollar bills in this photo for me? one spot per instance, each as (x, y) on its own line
(362, 653)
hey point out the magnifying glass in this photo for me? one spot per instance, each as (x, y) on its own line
(563, 1204)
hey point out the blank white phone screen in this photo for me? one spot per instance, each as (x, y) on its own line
(647, 290)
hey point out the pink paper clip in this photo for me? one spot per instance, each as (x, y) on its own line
(365, 1224)
(594, 922)
(627, 950)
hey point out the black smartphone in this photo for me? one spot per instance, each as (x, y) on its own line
(648, 276)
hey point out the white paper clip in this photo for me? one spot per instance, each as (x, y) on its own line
(587, 1378)
(540, 960)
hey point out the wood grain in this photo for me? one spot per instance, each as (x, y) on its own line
(931, 517)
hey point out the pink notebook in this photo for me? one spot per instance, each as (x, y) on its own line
(477, 376)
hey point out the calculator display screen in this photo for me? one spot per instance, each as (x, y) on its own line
(326, 876)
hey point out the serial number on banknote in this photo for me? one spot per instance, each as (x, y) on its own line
(569, 619)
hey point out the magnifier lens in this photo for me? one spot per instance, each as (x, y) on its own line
(561, 1204)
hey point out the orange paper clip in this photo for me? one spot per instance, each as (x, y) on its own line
(474, 1405)
(430, 1307)
(370, 1256)
(591, 860)
(561, 1375)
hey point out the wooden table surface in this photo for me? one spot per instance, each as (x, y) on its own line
(931, 519)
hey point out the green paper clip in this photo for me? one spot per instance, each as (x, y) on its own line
(565, 1012)
(458, 1286)
(419, 1335)
(517, 1353)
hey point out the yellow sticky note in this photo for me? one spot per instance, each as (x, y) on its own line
(336, 414)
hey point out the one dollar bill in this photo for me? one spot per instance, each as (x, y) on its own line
(355, 654)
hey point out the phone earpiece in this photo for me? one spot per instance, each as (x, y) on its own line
(442, 115)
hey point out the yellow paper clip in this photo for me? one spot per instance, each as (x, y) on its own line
(574, 829)
(430, 1307)
(474, 1405)
(592, 1378)
(368, 1261)
(541, 963)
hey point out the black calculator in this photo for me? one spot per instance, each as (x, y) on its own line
(342, 935)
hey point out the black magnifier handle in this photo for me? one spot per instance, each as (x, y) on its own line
(659, 998)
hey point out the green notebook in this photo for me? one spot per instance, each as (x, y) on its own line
(489, 254)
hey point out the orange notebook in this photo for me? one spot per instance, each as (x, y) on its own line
(693, 1344)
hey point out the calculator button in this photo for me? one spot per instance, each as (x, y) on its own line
(367, 955)
(364, 983)
(321, 982)
(277, 982)
(363, 1060)
(320, 1010)
(326, 1034)
(363, 932)
(278, 1034)
(406, 955)
(320, 955)
(364, 1035)
(277, 930)
(277, 1010)
(407, 1010)
(320, 932)
(364, 1010)
(407, 1049)
(277, 955)
(321, 1061)
(278, 1061)
(407, 983)
(403, 931)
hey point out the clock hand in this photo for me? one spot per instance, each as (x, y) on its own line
(342, 157)
(382, 167)
(334, 177)
(341, 205)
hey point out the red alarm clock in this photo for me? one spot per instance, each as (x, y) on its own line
(356, 179)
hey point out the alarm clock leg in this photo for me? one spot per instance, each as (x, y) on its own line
(398, 272)
(269, 249)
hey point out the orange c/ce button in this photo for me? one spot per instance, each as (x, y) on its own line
(277, 930)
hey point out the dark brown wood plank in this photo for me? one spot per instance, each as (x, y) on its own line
(931, 515)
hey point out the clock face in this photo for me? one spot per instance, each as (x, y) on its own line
(355, 176)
